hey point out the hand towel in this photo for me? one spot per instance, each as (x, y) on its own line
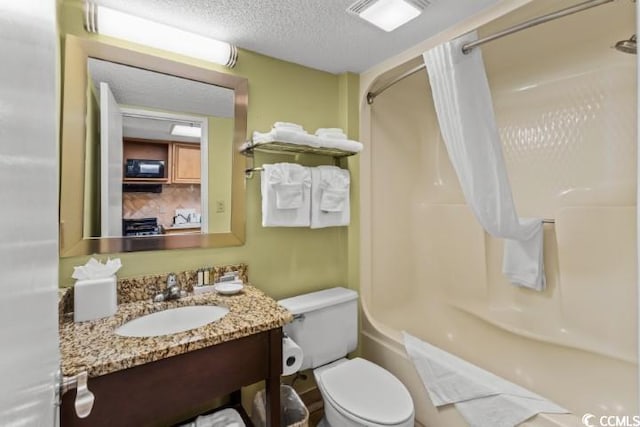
(483, 399)
(287, 185)
(330, 205)
(522, 262)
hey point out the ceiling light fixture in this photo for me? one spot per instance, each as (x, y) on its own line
(113, 23)
(388, 14)
(188, 131)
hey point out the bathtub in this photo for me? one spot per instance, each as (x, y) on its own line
(566, 109)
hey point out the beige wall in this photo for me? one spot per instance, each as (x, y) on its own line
(281, 261)
(565, 105)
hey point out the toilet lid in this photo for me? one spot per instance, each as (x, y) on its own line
(368, 392)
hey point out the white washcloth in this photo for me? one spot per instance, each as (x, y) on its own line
(330, 205)
(342, 144)
(287, 185)
(522, 262)
(483, 399)
(286, 135)
(288, 125)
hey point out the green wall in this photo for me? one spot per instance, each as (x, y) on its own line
(282, 261)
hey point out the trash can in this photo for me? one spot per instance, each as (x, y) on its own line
(293, 413)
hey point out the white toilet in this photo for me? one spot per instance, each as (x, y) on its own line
(356, 392)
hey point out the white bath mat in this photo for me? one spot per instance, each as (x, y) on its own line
(483, 399)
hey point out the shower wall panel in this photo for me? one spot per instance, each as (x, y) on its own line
(566, 113)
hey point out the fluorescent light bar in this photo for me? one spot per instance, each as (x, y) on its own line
(184, 130)
(113, 23)
(390, 14)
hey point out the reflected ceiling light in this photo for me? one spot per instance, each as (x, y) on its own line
(184, 130)
(388, 14)
(113, 23)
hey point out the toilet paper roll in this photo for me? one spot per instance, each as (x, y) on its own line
(291, 356)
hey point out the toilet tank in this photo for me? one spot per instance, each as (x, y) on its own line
(325, 324)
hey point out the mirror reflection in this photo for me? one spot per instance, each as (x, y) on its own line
(158, 153)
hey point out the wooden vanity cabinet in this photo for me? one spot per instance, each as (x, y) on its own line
(178, 388)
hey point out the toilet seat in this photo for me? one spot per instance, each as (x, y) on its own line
(366, 393)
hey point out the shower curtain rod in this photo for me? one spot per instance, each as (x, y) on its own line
(514, 29)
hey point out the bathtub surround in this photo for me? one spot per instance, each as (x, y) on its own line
(484, 399)
(464, 108)
(565, 105)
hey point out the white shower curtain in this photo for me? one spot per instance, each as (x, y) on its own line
(465, 113)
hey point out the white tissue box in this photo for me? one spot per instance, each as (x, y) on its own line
(94, 298)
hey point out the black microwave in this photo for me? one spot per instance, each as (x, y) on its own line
(139, 168)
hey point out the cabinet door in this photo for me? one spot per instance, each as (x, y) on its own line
(186, 163)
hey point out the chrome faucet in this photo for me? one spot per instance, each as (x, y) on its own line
(172, 290)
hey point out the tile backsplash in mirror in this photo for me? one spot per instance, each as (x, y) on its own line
(161, 205)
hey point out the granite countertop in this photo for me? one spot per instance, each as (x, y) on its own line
(93, 346)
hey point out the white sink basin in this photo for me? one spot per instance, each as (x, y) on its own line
(172, 321)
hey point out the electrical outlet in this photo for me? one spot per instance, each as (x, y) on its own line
(219, 206)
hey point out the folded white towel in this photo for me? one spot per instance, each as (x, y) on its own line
(342, 144)
(289, 196)
(288, 125)
(334, 200)
(522, 262)
(286, 195)
(334, 135)
(483, 399)
(329, 130)
(286, 135)
(302, 138)
(330, 205)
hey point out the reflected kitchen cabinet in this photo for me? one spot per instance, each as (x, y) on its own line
(146, 160)
(186, 164)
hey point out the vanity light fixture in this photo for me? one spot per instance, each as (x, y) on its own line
(184, 130)
(388, 14)
(113, 23)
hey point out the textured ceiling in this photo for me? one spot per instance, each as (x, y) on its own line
(134, 87)
(137, 87)
(315, 33)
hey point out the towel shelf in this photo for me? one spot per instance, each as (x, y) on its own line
(277, 147)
